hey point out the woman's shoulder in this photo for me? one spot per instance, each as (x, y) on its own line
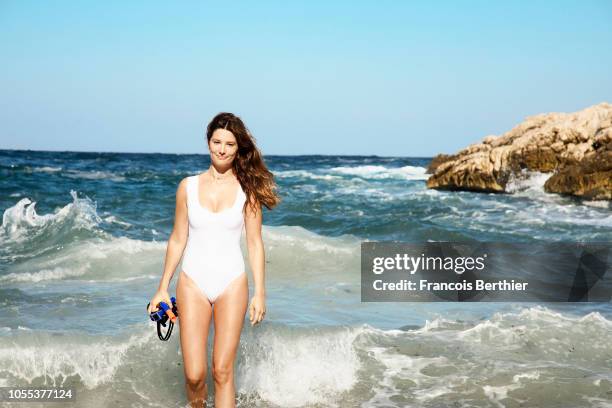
(190, 179)
(185, 180)
(183, 184)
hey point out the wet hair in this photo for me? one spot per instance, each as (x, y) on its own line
(253, 175)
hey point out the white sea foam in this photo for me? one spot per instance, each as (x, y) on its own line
(434, 325)
(293, 366)
(504, 356)
(411, 373)
(293, 250)
(599, 204)
(545, 335)
(365, 172)
(529, 211)
(525, 180)
(110, 259)
(595, 402)
(305, 367)
(21, 214)
(111, 219)
(20, 220)
(303, 239)
(42, 355)
(404, 366)
(47, 169)
(94, 175)
(498, 393)
(41, 169)
(370, 193)
(381, 172)
(304, 174)
(45, 274)
(554, 206)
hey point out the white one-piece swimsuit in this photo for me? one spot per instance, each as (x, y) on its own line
(213, 257)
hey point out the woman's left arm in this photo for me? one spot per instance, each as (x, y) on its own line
(252, 223)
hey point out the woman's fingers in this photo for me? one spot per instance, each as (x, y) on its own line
(256, 312)
(260, 316)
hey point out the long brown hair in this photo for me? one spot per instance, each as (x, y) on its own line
(253, 175)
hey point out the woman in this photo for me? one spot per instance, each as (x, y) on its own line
(211, 210)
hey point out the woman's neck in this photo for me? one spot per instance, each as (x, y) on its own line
(220, 175)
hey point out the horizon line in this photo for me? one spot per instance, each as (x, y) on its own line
(206, 154)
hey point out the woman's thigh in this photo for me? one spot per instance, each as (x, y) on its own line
(229, 311)
(195, 312)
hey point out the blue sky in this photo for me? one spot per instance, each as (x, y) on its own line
(400, 78)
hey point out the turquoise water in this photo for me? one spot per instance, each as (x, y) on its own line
(83, 238)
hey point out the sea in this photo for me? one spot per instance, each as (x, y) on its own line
(82, 246)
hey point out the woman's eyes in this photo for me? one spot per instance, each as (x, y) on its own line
(229, 144)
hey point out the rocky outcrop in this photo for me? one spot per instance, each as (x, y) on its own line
(590, 179)
(438, 160)
(568, 144)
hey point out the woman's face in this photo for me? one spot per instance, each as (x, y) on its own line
(223, 147)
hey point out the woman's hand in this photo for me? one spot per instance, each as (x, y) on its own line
(159, 296)
(257, 309)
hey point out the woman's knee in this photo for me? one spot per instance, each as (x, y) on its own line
(195, 378)
(223, 373)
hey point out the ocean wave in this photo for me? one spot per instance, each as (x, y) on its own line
(364, 172)
(304, 174)
(282, 365)
(111, 219)
(46, 357)
(100, 257)
(528, 212)
(111, 259)
(31, 169)
(70, 173)
(598, 204)
(381, 172)
(527, 180)
(46, 169)
(21, 222)
(508, 358)
(295, 367)
(530, 184)
(44, 274)
(430, 366)
(303, 239)
(538, 332)
(290, 251)
(294, 253)
(94, 175)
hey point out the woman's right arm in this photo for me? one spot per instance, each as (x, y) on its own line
(176, 245)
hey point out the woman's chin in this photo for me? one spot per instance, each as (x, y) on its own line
(222, 163)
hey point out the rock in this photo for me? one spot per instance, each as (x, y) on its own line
(590, 179)
(438, 160)
(563, 143)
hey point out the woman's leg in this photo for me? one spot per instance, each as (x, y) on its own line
(195, 312)
(229, 310)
